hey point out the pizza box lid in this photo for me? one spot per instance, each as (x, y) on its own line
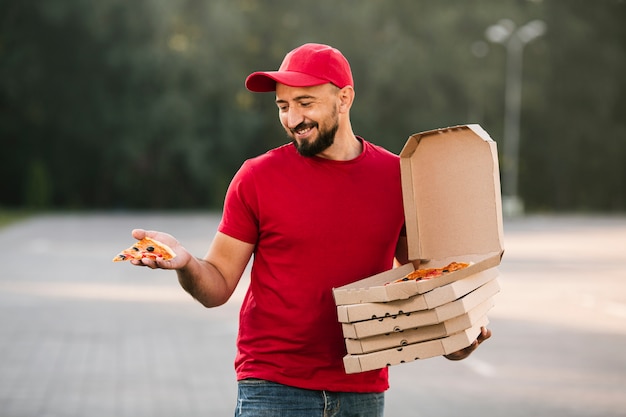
(451, 192)
(439, 296)
(417, 319)
(421, 334)
(402, 354)
(453, 212)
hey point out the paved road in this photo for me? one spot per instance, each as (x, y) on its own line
(81, 336)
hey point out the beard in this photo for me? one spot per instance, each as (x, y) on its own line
(324, 140)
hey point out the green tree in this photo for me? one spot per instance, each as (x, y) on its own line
(117, 104)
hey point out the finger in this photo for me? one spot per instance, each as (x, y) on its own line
(472, 347)
(150, 263)
(485, 334)
(141, 262)
(138, 233)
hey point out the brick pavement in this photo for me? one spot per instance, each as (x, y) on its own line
(81, 336)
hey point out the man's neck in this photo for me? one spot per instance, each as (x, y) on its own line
(346, 147)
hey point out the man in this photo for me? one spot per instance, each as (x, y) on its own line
(317, 213)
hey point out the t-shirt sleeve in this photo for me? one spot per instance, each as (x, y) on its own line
(239, 218)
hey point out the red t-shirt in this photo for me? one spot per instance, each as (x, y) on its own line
(317, 224)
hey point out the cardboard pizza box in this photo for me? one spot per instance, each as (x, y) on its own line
(420, 334)
(409, 353)
(439, 296)
(453, 212)
(421, 318)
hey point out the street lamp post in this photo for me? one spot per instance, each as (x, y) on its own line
(514, 39)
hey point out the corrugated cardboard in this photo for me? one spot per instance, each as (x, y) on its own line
(429, 300)
(409, 353)
(453, 212)
(451, 188)
(416, 319)
(421, 334)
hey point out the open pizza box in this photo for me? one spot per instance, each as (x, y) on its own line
(406, 321)
(439, 296)
(453, 212)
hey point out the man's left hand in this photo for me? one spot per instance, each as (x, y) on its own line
(485, 334)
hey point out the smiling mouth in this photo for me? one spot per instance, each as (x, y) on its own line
(302, 129)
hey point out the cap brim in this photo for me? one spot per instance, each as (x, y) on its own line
(265, 81)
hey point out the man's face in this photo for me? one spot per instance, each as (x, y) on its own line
(309, 116)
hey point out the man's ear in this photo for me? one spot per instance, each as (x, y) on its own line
(346, 98)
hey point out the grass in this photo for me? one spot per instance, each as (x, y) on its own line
(8, 217)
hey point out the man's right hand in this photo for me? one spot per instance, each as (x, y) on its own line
(181, 259)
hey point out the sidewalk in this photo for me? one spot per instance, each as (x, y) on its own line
(82, 336)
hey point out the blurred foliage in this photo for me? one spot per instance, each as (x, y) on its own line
(141, 104)
(12, 216)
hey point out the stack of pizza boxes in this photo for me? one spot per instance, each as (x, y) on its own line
(453, 210)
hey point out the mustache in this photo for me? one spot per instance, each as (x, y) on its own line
(303, 126)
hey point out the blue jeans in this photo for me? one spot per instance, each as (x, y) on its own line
(259, 398)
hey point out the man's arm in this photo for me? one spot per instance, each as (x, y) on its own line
(402, 252)
(213, 280)
(210, 280)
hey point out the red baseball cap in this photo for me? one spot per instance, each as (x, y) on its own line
(308, 65)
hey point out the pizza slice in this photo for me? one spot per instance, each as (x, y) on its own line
(429, 273)
(146, 248)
